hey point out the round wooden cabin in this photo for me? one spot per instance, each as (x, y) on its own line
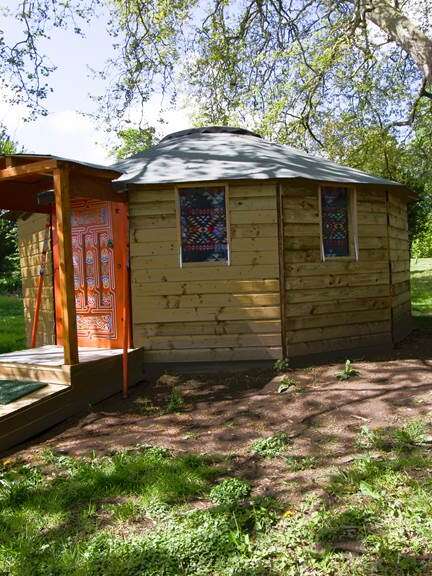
(241, 249)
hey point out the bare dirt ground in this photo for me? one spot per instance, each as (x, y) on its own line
(225, 412)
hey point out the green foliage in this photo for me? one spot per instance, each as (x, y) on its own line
(134, 141)
(140, 512)
(421, 287)
(407, 437)
(175, 402)
(281, 365)
(299, 463)
(272, 446)
(10, 275)
(230, 492)
(285, 384)
(348, 372)
(12, 329)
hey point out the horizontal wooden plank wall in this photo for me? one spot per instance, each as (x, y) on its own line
(336, 304)
(400, 265)
(31, 234)
(206, 312)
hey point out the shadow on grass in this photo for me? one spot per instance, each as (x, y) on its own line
(145, 512)
(379, 509)
(138, 512)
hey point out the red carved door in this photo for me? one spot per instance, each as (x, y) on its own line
(98, 242)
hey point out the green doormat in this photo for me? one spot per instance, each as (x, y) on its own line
(11, 390)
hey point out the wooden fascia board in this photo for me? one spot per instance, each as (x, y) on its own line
(41, 167)
(107, 174)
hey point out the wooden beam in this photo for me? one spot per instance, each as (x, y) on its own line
(66, 274)
(84, 186)
(28, 169)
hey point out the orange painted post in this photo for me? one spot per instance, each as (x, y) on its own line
(126, 312)
(40, 283)
(66, 273)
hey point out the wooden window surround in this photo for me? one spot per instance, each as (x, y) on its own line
(203, 230)
(338, 222)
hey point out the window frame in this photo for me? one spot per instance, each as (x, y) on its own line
(178, 223)
(352, 222)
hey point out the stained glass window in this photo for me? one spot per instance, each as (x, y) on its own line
(334, 210)
(203, 224)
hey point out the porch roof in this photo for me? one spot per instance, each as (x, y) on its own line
(24, 176)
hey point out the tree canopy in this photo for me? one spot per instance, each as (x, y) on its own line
(9, 260)
(133, 141)
(293, 69)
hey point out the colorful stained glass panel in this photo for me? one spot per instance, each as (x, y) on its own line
(203, 224)
(334, 210)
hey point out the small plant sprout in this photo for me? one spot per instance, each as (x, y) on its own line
(285, 384)
(175, 402)
(281, 365)
(348, 372)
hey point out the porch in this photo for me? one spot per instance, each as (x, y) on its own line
(66, 390)
(73, 372)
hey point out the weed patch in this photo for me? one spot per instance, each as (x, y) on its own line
(299, 463)
(230, 491)
(286, 384)
(411, 435)
(138, 513)
(270, 447)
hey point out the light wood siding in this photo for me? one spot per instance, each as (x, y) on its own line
(31, 234)
(337, 304)
(206, 312)
(399, 265)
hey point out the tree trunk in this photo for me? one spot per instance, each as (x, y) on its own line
(403, 31)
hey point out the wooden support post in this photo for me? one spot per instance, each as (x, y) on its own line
(281, 255)
(126, 312)
(66, 275)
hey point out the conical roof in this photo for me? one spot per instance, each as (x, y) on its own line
(227, 153)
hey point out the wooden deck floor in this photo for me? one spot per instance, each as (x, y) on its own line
(69, 389)
(53, 356)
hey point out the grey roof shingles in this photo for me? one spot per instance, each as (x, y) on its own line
(208, 155)
(224, 153)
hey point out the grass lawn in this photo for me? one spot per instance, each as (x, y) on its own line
(421, 286)
(12, 331)
(147, 512)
